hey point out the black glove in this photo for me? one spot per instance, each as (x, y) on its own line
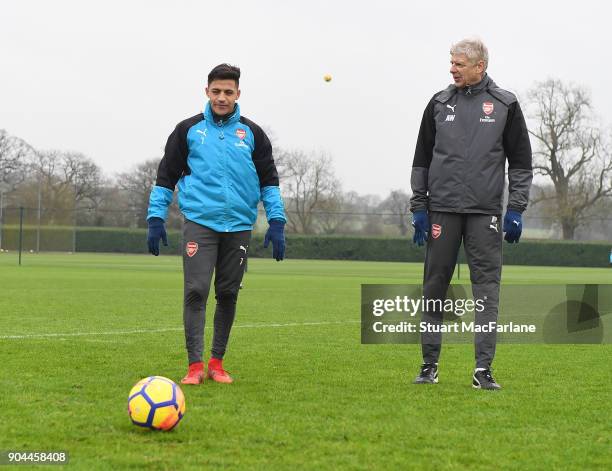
(276, 234)
(156, 231)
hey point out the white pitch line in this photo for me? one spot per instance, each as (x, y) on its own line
(170, 329)
(83, 334)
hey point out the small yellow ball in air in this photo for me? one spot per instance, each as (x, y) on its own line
(327, 78)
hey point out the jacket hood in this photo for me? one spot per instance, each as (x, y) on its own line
(210, 116)
(486, 82)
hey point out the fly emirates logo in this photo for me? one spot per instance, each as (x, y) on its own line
(487, 108)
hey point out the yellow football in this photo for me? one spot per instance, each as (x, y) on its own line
(156, 403)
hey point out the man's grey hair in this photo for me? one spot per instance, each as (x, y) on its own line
(474, 49)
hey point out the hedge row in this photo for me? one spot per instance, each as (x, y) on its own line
(527, 252)
(94, 239)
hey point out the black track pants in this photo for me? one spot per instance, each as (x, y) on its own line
(482, 239)
(206, 251)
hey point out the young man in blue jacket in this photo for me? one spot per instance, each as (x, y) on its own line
(222, 164)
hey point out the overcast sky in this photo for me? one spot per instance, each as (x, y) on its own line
(111, 79)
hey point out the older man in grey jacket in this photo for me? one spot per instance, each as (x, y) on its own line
(468, 132)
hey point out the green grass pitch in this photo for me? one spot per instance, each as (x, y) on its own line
(77, 331)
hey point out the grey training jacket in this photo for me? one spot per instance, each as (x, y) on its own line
(466, 135)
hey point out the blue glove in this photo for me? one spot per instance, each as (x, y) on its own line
(420, 222)
(156, 231)
(513, 226)
(276, 234)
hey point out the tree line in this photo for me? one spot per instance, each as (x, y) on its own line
(571, 197)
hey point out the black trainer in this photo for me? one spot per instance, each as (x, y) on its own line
(483, 380)
(428, 374)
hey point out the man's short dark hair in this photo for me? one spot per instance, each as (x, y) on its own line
(224, 72)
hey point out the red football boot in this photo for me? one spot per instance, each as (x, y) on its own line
(217, 373)
(195, 375)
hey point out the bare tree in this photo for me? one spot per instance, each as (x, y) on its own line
(15, 155)
(63, 181)
(82, 174)
(137, 185)
(372, 221)
(307, 182)
(569, 151)
(336, 210)
(398, 203)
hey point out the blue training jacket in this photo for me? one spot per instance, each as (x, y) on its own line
(223, 169)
